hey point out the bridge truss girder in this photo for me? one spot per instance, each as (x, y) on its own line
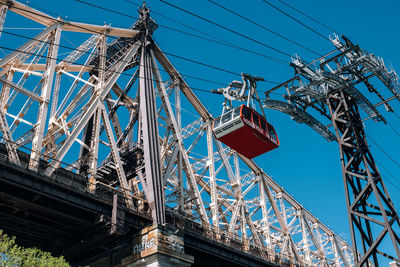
(121, 115)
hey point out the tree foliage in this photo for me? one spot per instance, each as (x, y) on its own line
(12, 255)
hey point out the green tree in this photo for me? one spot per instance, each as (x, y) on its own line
(12, 255)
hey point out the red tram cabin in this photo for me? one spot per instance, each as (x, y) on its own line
(245, 131)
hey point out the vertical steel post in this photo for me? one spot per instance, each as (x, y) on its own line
(242, 218)
(179, 156)
(3, 12)
(5, 90)
(94, 132)
(306, 245)
(45, 95)
(266, 224)
(4, 127)
(151, 147)
(10, 145)
(213, 182)
(338, 253)
(94, 151)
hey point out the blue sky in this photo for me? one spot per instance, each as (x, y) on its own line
(306, 165)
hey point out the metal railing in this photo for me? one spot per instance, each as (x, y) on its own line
(231, 240)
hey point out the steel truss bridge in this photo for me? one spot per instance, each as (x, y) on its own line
(111, 139)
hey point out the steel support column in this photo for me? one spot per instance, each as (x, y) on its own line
(213, 182)
(265, 221)
(151, 146)
(3, 12)
(46, 93)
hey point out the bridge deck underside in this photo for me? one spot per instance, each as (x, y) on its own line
(57, 214)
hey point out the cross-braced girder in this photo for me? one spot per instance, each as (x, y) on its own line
(120, 114)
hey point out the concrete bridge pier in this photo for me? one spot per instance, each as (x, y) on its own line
(158, 245)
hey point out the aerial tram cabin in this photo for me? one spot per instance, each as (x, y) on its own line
(246, 131)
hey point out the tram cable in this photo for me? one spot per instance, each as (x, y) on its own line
(177, 22)
(383, 150)
(393, 128)
(293, 18)
(265, 28)
(308, 16)
(190, 60)
(388, 172)
(226, 28)
(107, 9)
(214, 40)
(202, 64)
(277, 60)
(225, 43)
(41, 9)
(167, 53)
(396, 115)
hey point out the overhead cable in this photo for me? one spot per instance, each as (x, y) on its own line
(265, 28)
(177, 22)
(393, 128)
(227, 29)
(293, 18)
(388, 172)
(224, 43)
(101, 33)
(384, 151)
(277, 60)
(308, 16)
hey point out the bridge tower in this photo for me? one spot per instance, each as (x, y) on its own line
(116, 115)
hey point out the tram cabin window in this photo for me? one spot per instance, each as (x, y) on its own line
(236, 112)
(217, 122)
(256, 119)
(272, 133)
(226, 117)
(246, 113)
(263, 125)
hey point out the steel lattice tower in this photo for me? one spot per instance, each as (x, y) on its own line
(330, 89)
(362, 182)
